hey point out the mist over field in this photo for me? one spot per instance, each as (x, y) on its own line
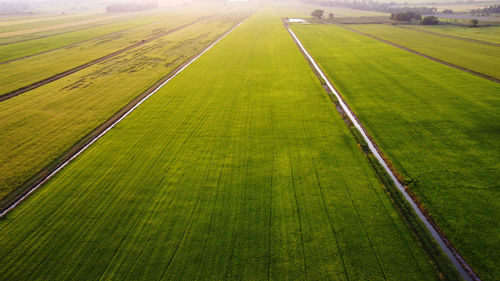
(41, 6)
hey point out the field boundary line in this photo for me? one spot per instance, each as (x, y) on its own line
(454, 256)
(448, 35)
(479, 74)
(63, 74)
(100, 131)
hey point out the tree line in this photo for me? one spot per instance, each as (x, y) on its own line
(373, 6)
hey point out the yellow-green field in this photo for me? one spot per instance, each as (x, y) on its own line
(489, 34)
(40, 125)
(243, 165)
(477, 57)
(240, 168)
(436, 124)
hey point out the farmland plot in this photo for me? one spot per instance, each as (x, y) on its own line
(477, 57)
(33, 18)
(118, 28)
(28, 28)
(437, 125)
(489, 34)
(40, 125)
(239, 168)
(47, 31)
(15, 75)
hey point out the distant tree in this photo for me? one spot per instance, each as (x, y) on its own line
(430, 20)
(317, 13)
(406, 16)
(474, 22)
(447, 11)
(330, 15)
(410, 14)
(487, 10)
(418, 17)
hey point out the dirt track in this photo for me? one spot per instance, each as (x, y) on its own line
(425, 56)
(35, 85)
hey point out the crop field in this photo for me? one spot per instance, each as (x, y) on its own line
(10, 51)
(21, 29)
(489, 34)
(23, 34)
(244, 165)
(33, 18)
(39, 125)
(255, 177)
(474, 56)
(439, 127)
(15, 75)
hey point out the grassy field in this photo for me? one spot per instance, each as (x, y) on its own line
(42, 32)
(255, 177)
(437, 125)
(487, 34)
(15, 74)
(39, 125)
(35, 46)
(33, 18)
(61, 22)
(474, 56)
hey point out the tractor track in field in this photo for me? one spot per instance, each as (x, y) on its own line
(450, 36)
(56, 77)
(11, 201)
(479, 74)
(462, 267)
(80, 42)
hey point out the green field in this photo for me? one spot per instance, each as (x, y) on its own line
(40, 125)
(438, 126)
(15, 75)
(32, 18)
(254, 177)
(46, 31)
(141, 23)
(35, 46)
(474, 56)
(488, 33)
(53, 23)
